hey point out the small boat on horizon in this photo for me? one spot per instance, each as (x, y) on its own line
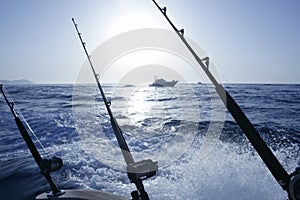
(160, 82)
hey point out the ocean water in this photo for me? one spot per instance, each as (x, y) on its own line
(201, 152)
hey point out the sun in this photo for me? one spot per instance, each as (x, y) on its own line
(129, 16)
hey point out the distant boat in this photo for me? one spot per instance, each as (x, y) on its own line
(160, 82)
(128, 85)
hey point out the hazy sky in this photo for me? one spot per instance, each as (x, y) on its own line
(250, 41)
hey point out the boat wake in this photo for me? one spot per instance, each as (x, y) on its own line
(230, 169)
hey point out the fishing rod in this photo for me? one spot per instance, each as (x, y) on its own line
(46, 165)
(136, 171)
(289, 183)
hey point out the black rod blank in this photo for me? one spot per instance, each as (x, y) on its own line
(35, 153)
(251, 133)
(117, 130)
(119, 133)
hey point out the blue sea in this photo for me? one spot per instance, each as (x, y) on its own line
(201, 151)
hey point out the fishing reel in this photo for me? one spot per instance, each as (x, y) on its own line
(51, 165)
(294, 186)
(141, 170)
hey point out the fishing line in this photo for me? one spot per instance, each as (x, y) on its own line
(22, 118)
(32, 132)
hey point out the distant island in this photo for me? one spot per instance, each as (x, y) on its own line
(16, 82)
